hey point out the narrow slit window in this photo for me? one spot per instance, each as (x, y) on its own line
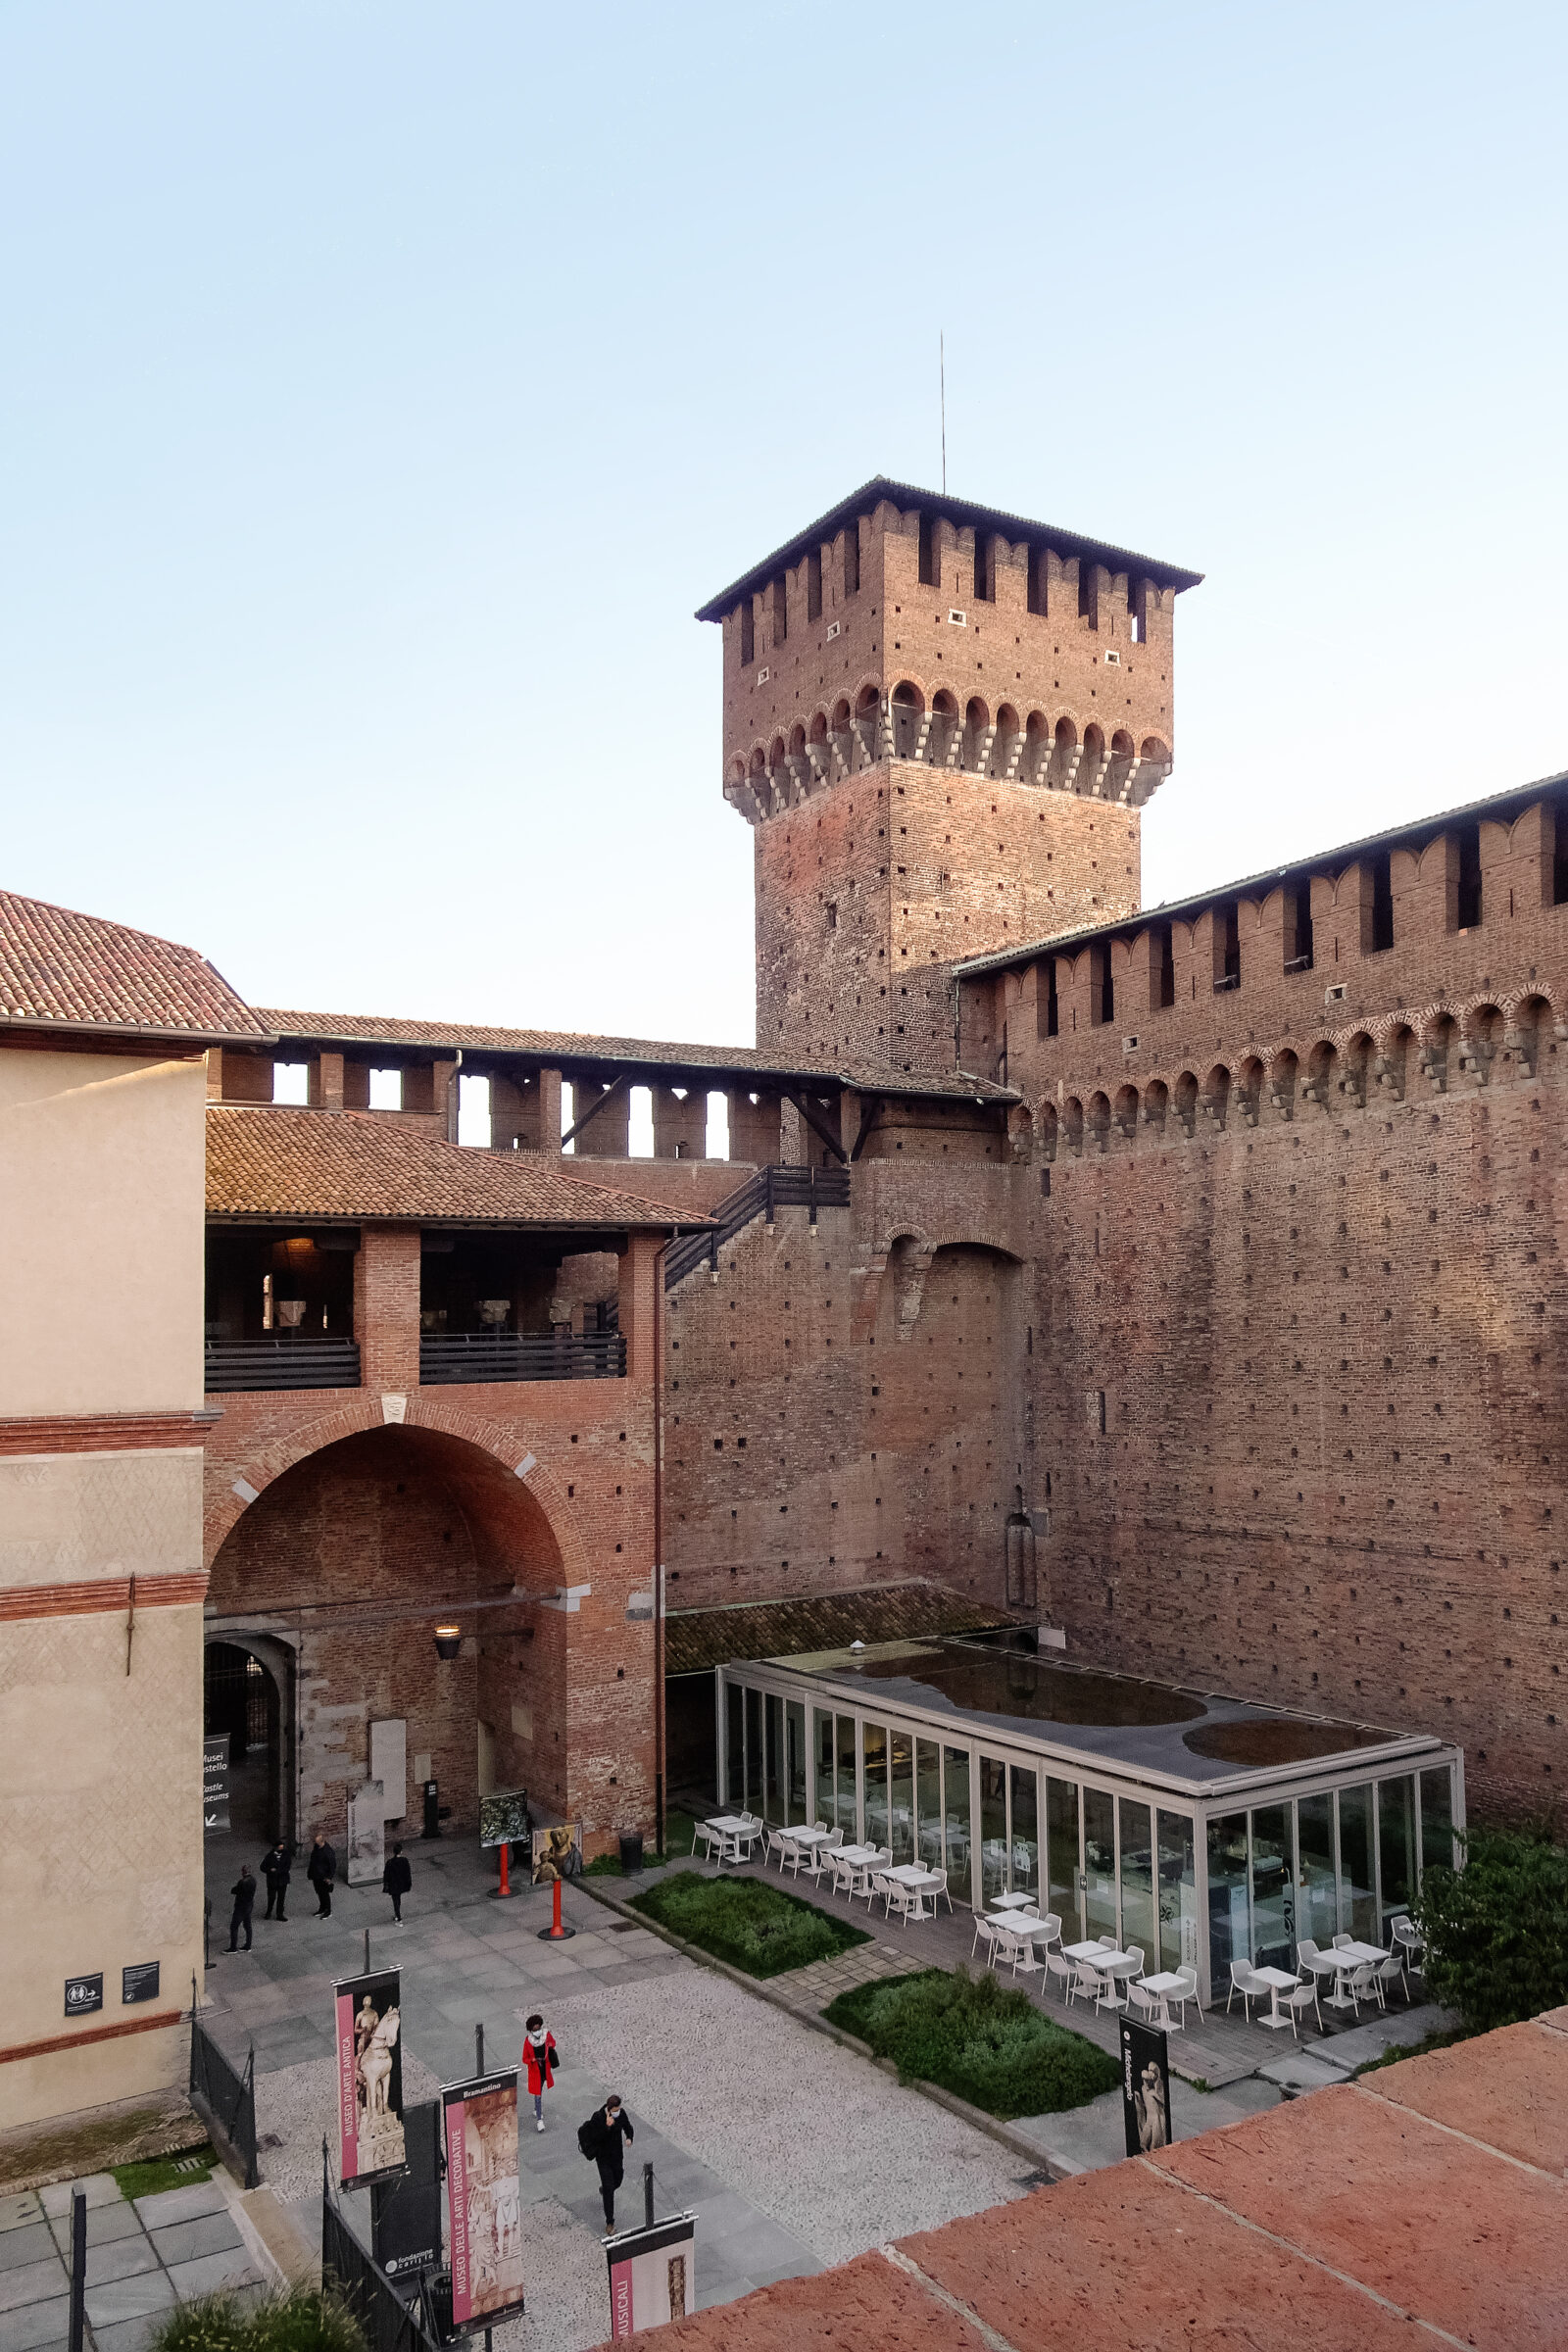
(813, 585)
(748, 634)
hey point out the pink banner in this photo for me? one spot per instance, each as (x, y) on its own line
(458, 2201)
(348, 2109)
(484, 2201)
(653, 2276)
(368, 2019)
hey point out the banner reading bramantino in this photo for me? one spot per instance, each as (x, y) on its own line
(483, 2199)
(370, 2077)
(653, 2274)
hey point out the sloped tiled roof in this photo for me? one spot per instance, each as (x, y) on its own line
(264, 1161)
(696, 1640)
(566, 1046)
(59, 969)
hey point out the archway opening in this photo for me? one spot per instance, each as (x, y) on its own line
(242, 1702)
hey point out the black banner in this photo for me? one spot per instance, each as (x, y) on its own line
(405, 2213)
(1144, 2087)
(215, 1784)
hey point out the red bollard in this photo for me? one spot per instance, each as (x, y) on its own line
(505, 1887)
(556, 1932)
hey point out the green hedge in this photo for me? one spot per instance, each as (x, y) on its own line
(1497, 1930)
(303, 2319)
(969, 2036)
(754, 1925)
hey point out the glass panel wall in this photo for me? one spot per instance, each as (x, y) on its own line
(848, 1820)
(754, 1751)
(1229, 1936)
(928, 1802)
(1099, 1865)
(1178, 1893)
(956, 1808)
(1436, 1818)
(1062, 1847)
(900, 1751)
(874, 1748)
(1137, 1879)
(822, 1751)
(773, 1786)
(1273, 1889)
(734, 1746)
(1396, 1850)
(1359, 1903)
(795, 1758)
(993, 1827)
(1025, 1828)
(1318, 1911)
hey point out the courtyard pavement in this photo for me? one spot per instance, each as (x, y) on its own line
(142, 2257)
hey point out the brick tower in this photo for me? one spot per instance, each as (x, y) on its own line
(942, 722)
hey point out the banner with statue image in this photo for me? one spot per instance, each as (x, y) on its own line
(370, 2077)
(483, 2198)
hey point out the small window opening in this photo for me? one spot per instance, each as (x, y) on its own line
(1299, 927)
(852, 559)
(1560, 858)
(1164, 966)
(928, 552)
(1227, 947)
(1037, 580)
(832, 915)
(781, 610)
(291, 1082)
(1137, 628)
(1102, 987)
(985, 568)
(813, 585)
(1382, 901)
(1469, 904)
(473, 1110)
(386, 1090)
(1049, 1009)
(748, 634)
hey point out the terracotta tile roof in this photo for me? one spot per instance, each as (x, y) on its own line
(268, 1162)
(565, 1046)
(59, 969)
(696, 1640)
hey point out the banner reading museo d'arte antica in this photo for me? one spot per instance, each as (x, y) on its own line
(370, 2077)
(483, 2200)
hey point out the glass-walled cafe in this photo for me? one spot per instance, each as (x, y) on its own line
(1200, 1829)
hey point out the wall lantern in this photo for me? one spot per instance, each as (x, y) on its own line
(448, 1643)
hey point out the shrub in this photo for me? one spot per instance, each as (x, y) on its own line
(304, 2320)
(1496, 1931)
(969, 2036)
(752, 1925)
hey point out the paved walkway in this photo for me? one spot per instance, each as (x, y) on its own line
(142, 2257)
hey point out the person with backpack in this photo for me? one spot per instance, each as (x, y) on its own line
(539, 2055)
(604, 2139)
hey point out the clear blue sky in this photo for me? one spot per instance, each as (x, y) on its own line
(385, 385)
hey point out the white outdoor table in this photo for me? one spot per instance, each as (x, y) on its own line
(909, 1874)
(1162, 1986)
(730, 1825)
(1278, 1981)
(856, 1853)
(808, 1837)
(1016, 1924)
(1011, 1902)
(1109, 1963)
(1091, 1951)
(1347, 1958)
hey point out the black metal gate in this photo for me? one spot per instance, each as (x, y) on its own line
(225, 2100)
(388, 2322)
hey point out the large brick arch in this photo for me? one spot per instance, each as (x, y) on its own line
(503, 1446)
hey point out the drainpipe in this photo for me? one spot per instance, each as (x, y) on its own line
(658, 1549)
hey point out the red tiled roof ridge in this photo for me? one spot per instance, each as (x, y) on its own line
(62, 968)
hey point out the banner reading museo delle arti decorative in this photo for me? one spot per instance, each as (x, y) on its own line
(483, 2199)
(370, 2077)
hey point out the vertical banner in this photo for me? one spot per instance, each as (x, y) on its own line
(370, 2077)
(1144, 2087)
(366, 1857)
(215, 1784)
(653, 2274)
(405, 2211)
(485, 2204)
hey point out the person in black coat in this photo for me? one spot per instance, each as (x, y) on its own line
(396, 1879)
(605, 2138)
(244, 1892)
(277, 1864)
(321, 1871)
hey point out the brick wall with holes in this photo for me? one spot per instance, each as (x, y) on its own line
(846, 1405)
(377, 1517)
(872, 889)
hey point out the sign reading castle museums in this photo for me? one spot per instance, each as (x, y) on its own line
(369, 2078)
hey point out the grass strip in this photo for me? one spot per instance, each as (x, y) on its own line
(969, 2036)
(755, 1927)
(186, 2168)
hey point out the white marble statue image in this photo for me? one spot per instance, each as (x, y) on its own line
(380, 2127)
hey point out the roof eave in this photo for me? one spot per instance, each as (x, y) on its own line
(135, 1032)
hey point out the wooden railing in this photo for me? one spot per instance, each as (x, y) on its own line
(282, 1360)
(447, 1357)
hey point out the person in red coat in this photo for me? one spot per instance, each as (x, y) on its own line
(539, 2056)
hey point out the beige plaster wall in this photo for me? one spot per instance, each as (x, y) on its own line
(69, 1518)
(102, 1177)
(100, 1843)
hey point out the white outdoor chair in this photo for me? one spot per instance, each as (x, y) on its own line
(1304, 1997)
(1007, 1950)
(1389, 1971)
(1361, 1984)
(774, 1846)
(1246, 1980)
(1053, 1929)
(1142, 2002)
(843, 1873)
(819, 1825)
(1059, 1966)
(1410, 1947)
(983, 1934)
(869, 1871)
(1087, 1982)
(1340, 1941)
(822, 1854)
(1027, 1962)
(712, 1840)
(1135, 1952)
(894, 1896)
(1189, 1993)
(939, 1892)
(1107, 1943)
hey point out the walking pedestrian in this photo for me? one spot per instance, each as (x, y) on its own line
(603, 2139)
(321, 1871)
(277, 1864)
(539, 2055)
(244, 1892)
(396, 1879)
